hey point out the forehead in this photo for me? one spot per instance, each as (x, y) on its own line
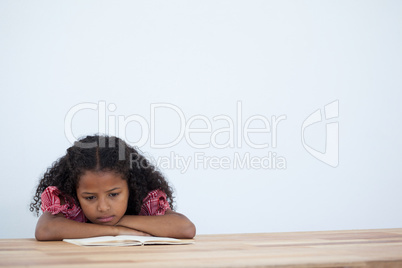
(100, 180)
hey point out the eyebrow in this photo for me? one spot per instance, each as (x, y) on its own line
(116, 188)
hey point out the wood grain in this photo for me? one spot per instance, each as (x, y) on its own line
(354, 248)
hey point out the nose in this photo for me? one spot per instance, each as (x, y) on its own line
(103, 205)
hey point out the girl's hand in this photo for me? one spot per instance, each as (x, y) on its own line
(128, 231)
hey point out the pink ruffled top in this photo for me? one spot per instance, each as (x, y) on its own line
(155, 203)
(51, 203)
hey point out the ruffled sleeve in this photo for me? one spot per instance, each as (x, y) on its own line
(155, 203)
(51, 203)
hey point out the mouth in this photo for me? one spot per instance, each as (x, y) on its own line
(106, 219)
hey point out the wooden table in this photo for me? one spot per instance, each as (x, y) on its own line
(357, 248)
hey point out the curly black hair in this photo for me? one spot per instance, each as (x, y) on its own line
(103, 153)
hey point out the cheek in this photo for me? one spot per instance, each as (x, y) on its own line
(86, 208)
(83, 207)
(123, 204)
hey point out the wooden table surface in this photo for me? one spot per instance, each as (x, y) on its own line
(354, 248)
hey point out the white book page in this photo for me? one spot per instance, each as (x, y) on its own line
(125, 240)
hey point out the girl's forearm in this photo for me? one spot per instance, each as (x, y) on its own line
(51, 227)
(172, 224)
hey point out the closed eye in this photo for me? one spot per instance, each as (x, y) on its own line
(89, 197)
(114, 194)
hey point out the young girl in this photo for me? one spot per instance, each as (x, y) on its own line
(102, 186)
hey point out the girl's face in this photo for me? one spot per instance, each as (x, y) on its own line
(103, 196)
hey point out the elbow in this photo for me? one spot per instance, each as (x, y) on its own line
(192, 232)
(183, 227)
(45, 232)
(189, 231)
(41, 233)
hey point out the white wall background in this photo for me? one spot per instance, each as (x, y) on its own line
(275, 57)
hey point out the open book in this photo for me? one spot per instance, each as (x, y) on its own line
(128, 240)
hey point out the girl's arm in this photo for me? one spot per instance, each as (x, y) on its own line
(172, 224)
(57, 227)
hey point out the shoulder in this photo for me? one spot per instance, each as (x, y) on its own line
(155, 203)
(53, 201)
(50, 196)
